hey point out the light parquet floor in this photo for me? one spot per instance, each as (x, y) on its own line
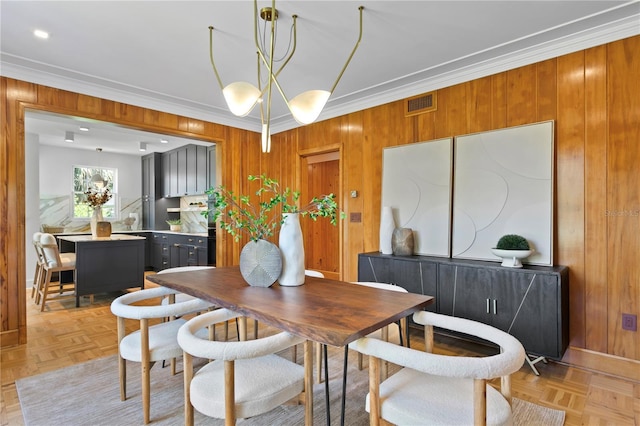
(64, 335)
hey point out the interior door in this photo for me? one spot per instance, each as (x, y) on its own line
(321, 175)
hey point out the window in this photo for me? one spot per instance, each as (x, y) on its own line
(97, 179)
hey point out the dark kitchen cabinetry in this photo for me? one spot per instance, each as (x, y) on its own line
(188, 250)
(148, 249)
(174, 250)
(531, 303)
(154, 205)
(161, 252)
(185, 171)
(151, 188)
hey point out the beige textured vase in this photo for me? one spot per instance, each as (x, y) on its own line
(402, 241)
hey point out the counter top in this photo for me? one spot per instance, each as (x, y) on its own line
(137, 231)
(113, 237)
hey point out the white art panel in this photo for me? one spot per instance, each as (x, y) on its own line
(504, 185)
(416, 184)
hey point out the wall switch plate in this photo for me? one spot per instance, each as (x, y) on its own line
(629, 322)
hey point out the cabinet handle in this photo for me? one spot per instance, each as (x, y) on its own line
(488, 308)
(176, 245)
(495, 306)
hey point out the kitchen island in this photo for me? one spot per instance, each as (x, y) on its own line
(107, 263)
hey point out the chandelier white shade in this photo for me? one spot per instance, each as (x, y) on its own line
(241, 97)
(307, 106)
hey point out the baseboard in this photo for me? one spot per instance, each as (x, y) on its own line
(597, 361)
(9, 338)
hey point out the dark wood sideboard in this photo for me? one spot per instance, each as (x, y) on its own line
(531, 303)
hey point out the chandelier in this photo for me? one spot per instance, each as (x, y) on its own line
(242, 96)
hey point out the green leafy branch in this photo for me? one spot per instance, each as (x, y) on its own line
(236, 214)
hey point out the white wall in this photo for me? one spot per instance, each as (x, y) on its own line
(56, 169)
(49, 172)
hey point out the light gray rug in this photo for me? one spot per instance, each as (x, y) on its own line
(88, 394)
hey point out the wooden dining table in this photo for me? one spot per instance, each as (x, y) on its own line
(322, 310)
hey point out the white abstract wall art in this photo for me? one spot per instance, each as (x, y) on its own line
(416, 184)
(504, 185)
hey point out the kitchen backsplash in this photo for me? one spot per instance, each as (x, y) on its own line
(55, 214)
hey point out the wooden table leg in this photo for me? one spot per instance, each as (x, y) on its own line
(308, 383)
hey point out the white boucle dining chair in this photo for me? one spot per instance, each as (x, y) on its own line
(150, 343)
(392, 332)
(245, 378)
(181, 297)
(442, 389)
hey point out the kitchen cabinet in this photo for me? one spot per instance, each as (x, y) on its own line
(185, 171)
(154, 205)
(151, 188)
(148, 249)
(173, 250)
(161, 253)
(188, 250)
(531, 303)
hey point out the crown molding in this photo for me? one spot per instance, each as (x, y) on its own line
(615, 24)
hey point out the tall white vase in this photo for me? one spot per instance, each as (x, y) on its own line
(292, 249)
(95, 218)
(387, 225)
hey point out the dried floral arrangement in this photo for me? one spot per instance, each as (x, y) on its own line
(96, 198)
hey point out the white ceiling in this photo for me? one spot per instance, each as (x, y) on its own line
(155, 54)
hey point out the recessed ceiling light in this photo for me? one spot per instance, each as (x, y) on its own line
(84, 128)
(164, 141)
(41, 34)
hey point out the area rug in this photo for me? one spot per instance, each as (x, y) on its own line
(88, 394)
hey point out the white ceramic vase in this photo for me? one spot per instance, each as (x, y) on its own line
(387, 225)
(95, 218)
(292, 250)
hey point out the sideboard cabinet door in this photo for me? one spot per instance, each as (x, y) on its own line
(531, 303)
(374, 269)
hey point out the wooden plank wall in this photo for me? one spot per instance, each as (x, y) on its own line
(592, 95)
(17, 96)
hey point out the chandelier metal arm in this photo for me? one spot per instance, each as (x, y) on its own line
(242, 96)
(271, 48)
(361, 8)
(213, 64)
(269, 64)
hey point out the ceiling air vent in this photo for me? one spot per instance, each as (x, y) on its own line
(420, 104)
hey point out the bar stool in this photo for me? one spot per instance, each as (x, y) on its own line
(54, 261)
(39, 272)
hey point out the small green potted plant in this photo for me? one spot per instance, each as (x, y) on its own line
(511, 248)
(175, 225)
